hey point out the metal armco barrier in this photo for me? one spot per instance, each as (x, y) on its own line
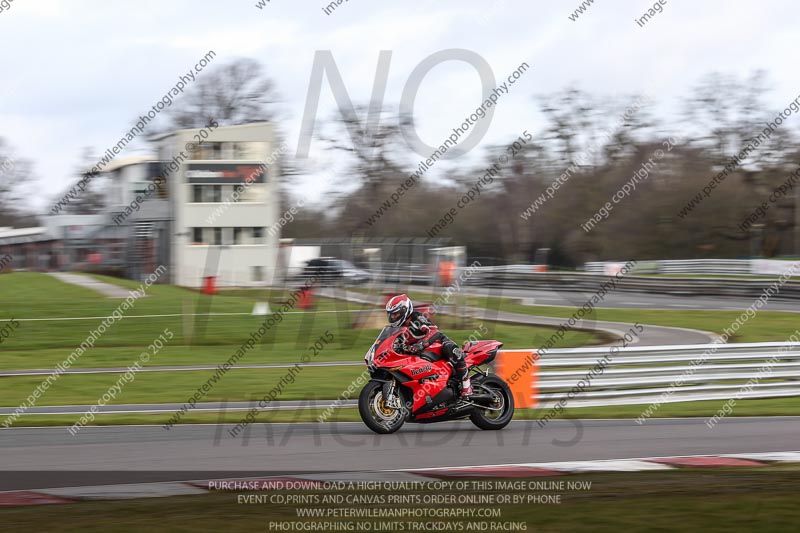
(742, 288)
(660, 374)
(533, 277)
(683, 266)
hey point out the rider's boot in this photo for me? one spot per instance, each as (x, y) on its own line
(462, 372)
(466, 388)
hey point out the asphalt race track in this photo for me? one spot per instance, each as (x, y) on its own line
(29, 456)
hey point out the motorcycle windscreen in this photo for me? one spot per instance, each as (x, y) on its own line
(386, 333)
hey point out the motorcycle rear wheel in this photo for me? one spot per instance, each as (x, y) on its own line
(487, 419)
(379, 417)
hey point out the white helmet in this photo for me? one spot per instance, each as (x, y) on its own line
(398, 309)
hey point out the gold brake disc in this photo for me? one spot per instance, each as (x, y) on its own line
(385, 410)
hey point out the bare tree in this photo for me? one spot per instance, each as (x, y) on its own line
(16, 184)
(376, 167)
(235, 93)
(648, 221)
(91, 200)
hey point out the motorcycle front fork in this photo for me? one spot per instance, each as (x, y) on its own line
(390, 397)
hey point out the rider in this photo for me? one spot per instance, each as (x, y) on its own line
(421, 332)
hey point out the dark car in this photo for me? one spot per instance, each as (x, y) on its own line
(331, 271)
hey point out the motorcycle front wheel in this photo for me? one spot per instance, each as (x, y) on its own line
(374, 411)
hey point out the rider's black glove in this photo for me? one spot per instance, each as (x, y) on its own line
(414, 349)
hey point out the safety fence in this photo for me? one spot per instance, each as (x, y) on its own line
(537, 277)
(700, 267)
(597, 377)
(712, 287)
(717, 267)
(592, 377)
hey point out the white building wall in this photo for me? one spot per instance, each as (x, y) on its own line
(123, 174)
(233, 265)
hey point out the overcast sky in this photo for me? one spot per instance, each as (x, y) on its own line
(77, 73)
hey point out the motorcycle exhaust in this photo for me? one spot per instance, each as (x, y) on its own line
(482, 397)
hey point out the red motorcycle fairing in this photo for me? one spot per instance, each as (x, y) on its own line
(481, 352)
(426, 380)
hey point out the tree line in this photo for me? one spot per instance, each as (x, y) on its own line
(589, 147)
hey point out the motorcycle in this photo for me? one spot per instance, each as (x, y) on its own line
(422, 388)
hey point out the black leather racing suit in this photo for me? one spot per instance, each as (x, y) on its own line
(422, 333)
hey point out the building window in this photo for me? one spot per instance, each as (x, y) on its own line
(237, 235)
(227, 234)
(255, 192)
(208, 151)
(240, 151)
(162, 191)
(197, 235)
(139, 187)
(258, 235)
(217, 236)
(236, 193)
(254, 150)
(227, 150)
(207, 193)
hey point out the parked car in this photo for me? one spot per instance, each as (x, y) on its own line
(333, 271)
